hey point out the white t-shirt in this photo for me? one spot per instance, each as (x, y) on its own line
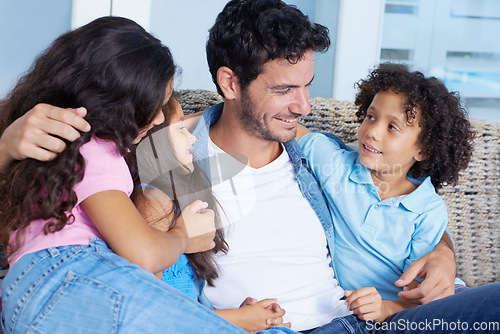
(277, 246)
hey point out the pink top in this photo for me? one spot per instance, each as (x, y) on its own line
(105, 169)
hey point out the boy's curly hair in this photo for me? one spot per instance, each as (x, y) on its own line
(446, 132)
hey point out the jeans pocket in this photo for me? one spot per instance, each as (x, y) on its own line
(80, 304)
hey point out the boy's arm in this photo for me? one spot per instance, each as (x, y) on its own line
(367, 304)
(437, 268)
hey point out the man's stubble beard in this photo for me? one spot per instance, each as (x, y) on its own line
(259, 127)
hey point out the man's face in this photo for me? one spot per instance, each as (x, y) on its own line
(271, 105)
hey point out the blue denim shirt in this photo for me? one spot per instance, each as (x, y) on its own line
(307, 182)
(182, 272)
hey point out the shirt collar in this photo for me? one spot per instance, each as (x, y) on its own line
(201, 131)
(417, 200)
(360, 174)
(296, 155)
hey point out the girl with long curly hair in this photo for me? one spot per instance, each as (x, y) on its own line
(414, 138)
(78, 249)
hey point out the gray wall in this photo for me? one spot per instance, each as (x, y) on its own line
(27, 27)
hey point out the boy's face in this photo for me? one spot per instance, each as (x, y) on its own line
(388, 145)
(272, 104)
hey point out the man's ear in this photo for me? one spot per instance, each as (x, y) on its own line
(228, 82)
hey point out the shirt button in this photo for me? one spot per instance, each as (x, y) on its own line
(377, 206)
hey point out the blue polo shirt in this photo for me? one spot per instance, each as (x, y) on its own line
(375, 240)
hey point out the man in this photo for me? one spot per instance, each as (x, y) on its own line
(261, 56)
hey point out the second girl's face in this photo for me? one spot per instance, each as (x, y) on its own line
(181, 139)
(160, 118)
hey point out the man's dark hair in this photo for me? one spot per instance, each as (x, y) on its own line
(249, 33)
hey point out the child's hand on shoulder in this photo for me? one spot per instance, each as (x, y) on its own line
(196, 223)
(254, 316)
(367, 304)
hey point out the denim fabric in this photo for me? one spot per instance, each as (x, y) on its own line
(90, 289)
(348, 324)
(472, 311)
(307, 182)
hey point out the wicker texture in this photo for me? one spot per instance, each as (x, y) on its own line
(473, 205)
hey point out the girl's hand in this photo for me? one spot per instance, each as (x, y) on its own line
(254, 316)
(34, 135)
(367, 304)
(196, 223)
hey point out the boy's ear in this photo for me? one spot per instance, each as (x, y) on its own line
(228, 82)
(421, 155)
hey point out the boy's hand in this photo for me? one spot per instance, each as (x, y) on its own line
(34, 135)
(367, 304)
(256, 315)
(196, 223)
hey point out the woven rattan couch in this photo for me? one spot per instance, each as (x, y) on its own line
(473, 205)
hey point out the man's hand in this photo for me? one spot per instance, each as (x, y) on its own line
(438, 270)
(34, 134)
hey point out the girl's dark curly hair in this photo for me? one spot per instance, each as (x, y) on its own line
(119, 73)
(249, 33)
(446, 133)
(182, 187)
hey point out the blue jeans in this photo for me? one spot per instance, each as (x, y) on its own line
(472, 311)
(90, 289)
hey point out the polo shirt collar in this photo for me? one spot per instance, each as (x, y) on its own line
(416, 201)
(360, 174)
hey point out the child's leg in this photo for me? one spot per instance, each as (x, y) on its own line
(78, 289)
